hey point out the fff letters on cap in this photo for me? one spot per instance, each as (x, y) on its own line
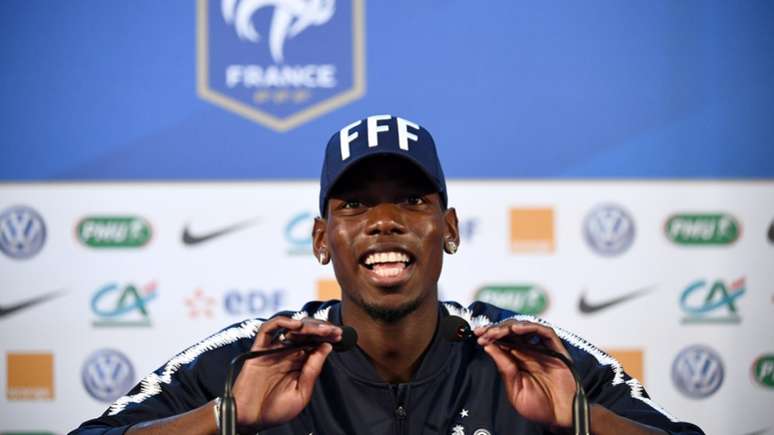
(380, 135)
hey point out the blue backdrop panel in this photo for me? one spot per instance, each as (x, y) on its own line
(96, 90)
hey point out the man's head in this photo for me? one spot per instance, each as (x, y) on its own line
(384, 220)
(379, 135)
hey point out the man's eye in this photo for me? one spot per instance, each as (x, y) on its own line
(351, 204)
(415, 200)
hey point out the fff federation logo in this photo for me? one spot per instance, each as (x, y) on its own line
(280, 62)
(107, 375)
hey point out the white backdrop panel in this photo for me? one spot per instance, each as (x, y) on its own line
(267, 264)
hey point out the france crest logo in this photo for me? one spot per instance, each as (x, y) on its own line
(280, 62)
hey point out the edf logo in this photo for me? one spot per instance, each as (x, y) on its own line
(280, 62)
(254, 302)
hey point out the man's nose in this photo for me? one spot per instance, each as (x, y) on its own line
(385, 219)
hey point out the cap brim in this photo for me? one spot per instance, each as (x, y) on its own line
(382, 153)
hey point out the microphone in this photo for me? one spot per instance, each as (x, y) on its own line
(454, 328)
(347, 342)
(348, 339)
(227, 407)
(457, 329)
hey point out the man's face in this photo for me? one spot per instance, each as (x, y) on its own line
(385, 232)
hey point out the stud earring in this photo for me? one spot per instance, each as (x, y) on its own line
(323, 258)
(451, 246)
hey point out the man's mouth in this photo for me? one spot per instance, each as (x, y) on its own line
(388, 267)
(387, 264)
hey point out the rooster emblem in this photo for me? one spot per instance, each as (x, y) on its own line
(290, 18)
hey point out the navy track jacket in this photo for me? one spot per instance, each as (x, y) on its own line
(456, 390)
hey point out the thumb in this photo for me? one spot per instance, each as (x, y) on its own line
(312, 368)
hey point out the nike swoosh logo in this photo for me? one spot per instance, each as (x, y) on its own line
(588, 308)
(190, 239)
(6, 310)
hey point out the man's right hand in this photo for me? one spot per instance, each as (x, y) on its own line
(274, 389)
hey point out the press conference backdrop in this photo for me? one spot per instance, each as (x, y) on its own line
(612, 165)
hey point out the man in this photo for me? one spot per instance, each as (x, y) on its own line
(384, 224)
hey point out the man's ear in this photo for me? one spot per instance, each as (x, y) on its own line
(319, 244)
(452, 228)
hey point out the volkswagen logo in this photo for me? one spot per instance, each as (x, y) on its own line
(609, 230)
(22, 232)
(107, 375)
(697, 371)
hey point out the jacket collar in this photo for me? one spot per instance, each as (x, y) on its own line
(357, 365)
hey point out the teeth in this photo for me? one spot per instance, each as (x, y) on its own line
(388, 271)
(386, 257)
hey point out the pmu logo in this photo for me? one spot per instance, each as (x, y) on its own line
(705, 302)
(107, 375)
(763, 370)
(702, 229)
(22, 232)
(113, 231)
(523, 299)
(280, 62)
(127, 305)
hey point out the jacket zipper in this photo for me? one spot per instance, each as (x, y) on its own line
(401, 411)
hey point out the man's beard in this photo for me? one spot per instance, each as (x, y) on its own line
(391, 314)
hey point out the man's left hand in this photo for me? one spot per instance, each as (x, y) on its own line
(540, 387)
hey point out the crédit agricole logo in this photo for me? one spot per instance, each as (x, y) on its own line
(280, 62)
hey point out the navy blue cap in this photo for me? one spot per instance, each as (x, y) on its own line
(380, 135)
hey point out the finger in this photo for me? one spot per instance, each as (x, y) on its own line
(294, 364)
(318, 328)
(547, 335)
(312, 368)
(480, 330)
(531, 361)
(493, 334)
(534, 333)
(505, 364)
(263, 339)
(278, 361)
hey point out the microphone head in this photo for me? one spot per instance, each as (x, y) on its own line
(454, 328)
(348, 339)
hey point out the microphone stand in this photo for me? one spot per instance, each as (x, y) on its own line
(227, 411)
(580, 404)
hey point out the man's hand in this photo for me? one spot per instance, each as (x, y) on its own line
(274, 389)
(539, 387)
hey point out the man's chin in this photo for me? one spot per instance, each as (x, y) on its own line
(389, 313)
